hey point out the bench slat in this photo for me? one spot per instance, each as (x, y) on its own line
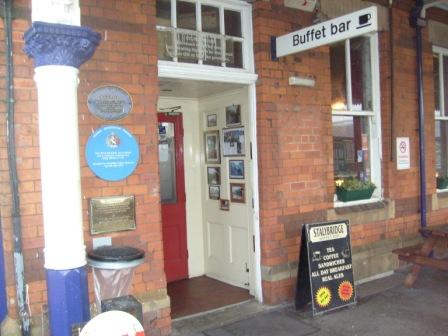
(425, 261)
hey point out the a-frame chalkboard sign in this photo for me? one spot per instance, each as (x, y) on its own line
(325, 274)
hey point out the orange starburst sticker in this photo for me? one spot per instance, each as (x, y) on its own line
(345, 290)
(323, 297)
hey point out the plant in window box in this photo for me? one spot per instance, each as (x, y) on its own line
(442, 182)
(353, 189)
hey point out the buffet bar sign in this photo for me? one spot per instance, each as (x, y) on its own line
(341, 28)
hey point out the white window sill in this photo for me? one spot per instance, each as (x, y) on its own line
(442, 191)
(338, 204)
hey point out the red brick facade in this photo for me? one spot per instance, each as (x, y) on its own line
(295, 146)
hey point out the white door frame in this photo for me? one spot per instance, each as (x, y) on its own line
(194, 72)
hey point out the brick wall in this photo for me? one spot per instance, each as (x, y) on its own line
(127, 57)
(295, 143)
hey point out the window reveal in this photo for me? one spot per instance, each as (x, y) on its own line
(440, 75)
(354, 125)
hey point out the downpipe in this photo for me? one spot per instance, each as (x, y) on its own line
(19, 270)
(416, 21)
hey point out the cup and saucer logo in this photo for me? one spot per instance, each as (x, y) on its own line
(113, 140)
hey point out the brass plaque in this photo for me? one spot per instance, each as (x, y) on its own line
(111, 214)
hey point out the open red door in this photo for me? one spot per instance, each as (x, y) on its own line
(172, 192)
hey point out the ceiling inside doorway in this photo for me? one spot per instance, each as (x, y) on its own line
(182, 88)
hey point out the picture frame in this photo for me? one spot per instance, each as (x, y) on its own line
(211, 147)
(238, 192)
(233, 115)
(234, 142)
(224, 204)
(214, 175)
(214, 192)
(236, 169)
(212, 120)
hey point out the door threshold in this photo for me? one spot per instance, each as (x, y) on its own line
(211, 311)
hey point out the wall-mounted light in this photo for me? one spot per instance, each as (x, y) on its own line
(302, 81)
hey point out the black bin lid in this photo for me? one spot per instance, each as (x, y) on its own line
(116, 253)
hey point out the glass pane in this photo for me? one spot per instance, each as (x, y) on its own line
(187, 46)
(186, 15)
(445, 83)
(361, 74)
(167, 163)
(163, 12)
(234, 54)
(165, 49)
(442, 148)
(351, 147)
(210, 19)
(338, 80)
(435, 71)
(212, 49)
(232, 22)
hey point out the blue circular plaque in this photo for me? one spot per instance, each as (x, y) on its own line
(112, 153)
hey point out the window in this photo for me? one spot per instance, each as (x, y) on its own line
(200, 32)
(440, 72)
(355, 110)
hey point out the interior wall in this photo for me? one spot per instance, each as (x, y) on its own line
(192, 166)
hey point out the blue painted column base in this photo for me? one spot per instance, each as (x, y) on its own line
(68, 299)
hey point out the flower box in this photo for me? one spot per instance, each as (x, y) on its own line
(442, 182)
(345, 195)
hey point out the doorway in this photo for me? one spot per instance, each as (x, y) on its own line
(219, 237)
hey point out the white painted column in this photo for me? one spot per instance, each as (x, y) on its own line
(60, 167)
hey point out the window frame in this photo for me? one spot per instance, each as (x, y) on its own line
(440, 52)
(222, 5)
(373, 116)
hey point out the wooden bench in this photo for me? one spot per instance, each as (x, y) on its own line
(421, 254)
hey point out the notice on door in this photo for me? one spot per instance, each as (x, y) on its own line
(325, 275)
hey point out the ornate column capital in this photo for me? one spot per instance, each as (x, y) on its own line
(60, 44)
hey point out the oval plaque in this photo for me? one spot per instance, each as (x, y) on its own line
(109, 102)
(112, 153)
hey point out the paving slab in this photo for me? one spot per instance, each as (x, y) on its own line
(385, 308)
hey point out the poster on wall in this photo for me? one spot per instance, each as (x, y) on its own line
(325, 274)
(234, 141)
(403, 153)
(112, 153)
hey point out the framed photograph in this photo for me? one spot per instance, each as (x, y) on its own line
(236, 169)
(214, 192)
(214, 175)
(211, 144)
(237, 193)
(224, 204)
(212, 120)
(233, 115)
(233, 141)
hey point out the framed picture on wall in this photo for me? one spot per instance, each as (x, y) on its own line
(236, 169)
(214, 192)
(212, 120)
(224, 204)
(211, 145)
(234, 142)
(214, 175)
(237, 193)
(233, 115)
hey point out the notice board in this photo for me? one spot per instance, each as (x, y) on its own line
(325, 274)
